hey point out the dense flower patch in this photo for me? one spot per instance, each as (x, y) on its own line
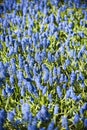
(43, 65)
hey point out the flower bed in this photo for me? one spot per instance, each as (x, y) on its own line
(43, 65)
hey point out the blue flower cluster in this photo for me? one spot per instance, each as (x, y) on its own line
(43, 65)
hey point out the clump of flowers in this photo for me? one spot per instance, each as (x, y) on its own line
(43, 65)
